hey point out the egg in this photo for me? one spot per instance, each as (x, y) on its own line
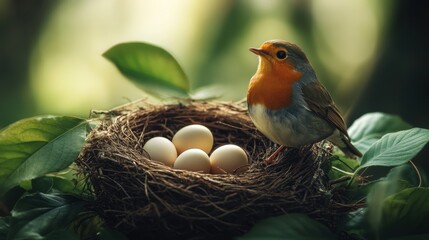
(195, 160)
(228, 159)
(193, 136)
(162, 150)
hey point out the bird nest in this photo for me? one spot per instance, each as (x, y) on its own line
(146, 199)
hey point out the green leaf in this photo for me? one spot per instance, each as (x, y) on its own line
(372, 126)
(397, 148)
(149, 67)
(358, 190)
(378, 192)
(376, 124)
(4, 227)
(48, 184)
(354, 224)
(405, 174)
(342, 166)
(289, 226)
(33, 147)
(380, 215)
(355, 219)
(68, 181)
(44, 216)
(8, 201)
(375, 200)
(42, 184)
(66, 186)
(406, 212)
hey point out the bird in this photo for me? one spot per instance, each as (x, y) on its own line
(289, 105)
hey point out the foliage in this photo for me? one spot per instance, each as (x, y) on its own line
(47, 200)
(33, 214)
(372, 126)
(395, 148)
(149, 67)
(291, 226)
(33, 147)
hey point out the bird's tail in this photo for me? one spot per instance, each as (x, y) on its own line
(349, 149)
(343, 143)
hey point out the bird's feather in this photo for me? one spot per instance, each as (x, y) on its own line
(320, 102)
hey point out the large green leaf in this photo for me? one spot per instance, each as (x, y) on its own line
(377, 195)
(375, 199)
(397, 212)
(397, 148)
(149, 67)
(372, 126)
(44, 216)
(33, 147)
(406, 212)
(390, 200)
(289, 226)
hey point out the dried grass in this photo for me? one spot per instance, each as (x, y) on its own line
(149, 200)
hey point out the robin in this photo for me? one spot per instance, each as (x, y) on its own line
(289, 105)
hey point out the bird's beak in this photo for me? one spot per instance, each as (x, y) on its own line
(258, 51)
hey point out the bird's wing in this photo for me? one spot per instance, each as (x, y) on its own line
(320, 102)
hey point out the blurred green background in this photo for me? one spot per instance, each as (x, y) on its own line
(371, 55)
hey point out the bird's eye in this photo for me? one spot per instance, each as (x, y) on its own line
(281, 54)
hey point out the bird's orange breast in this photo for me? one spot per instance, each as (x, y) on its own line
(273, 88)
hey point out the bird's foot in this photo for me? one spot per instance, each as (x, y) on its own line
(271, 158)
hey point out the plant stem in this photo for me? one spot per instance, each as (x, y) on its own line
(342, 171)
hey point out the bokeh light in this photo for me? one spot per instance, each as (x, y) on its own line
(69, 75)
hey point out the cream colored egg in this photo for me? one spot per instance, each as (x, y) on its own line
(193, 136)
(228, 159)
(162, 150)
(195, 160)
